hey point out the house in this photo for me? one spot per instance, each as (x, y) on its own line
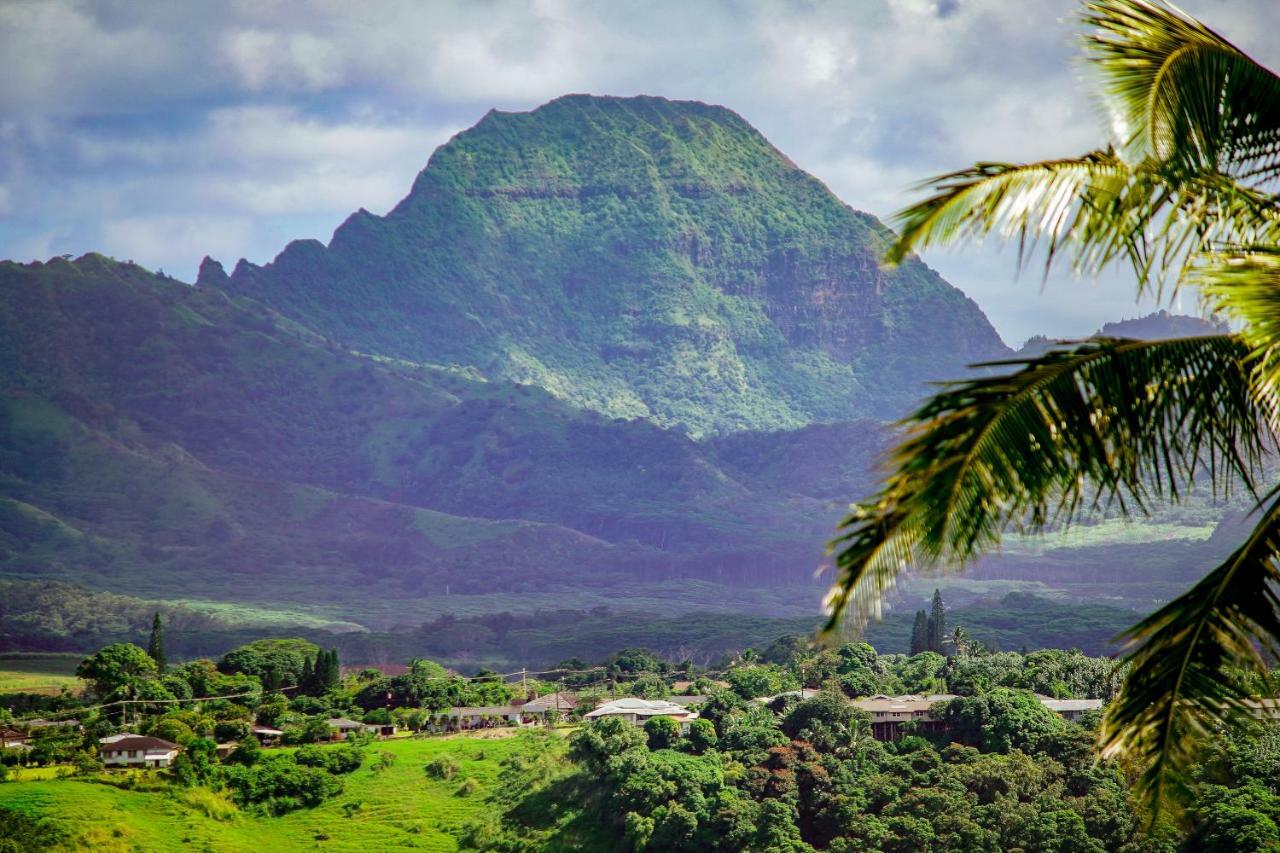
(559, 703)
(888, 713)
(224, 749)
(12, 739)
(33, 725)
(137, 751)
(1071, 709)
(802, 694)
(640, 711)
(342, 728)
(267, 735)
(484, 717)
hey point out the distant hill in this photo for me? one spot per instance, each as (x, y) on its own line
(639, 257)
(1154, 326)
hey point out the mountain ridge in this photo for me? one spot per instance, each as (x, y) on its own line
(640, 257)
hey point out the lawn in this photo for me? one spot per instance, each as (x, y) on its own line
(39, 673)
(400, 806)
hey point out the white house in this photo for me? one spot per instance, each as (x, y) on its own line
(640, 711)
(137, 751)
(481, 717)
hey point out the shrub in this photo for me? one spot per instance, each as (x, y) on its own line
(467, 788)
(443, 768)
(663, 732)
(212, 804)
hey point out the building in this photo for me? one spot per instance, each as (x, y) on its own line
(33, 725)
(802, 694)
(12, 739)
(888, 713)
(267, 735)
(558, 703)
(137, 751)
(341, 728)
(688, 701)
(483, 717)
(640, 711)
(1071, 709)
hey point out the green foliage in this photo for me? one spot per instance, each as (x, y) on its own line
(702, 735)
(1184, 193)
(765, 680)
(117, 667)
(662, 732)
(155, 643)
(1002, 720)
(279, 659)
(19, 833)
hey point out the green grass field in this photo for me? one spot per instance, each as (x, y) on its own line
(39, 673)
(398, 807)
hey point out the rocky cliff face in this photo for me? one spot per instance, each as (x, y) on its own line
(639, 257)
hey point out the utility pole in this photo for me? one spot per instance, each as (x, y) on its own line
(524, 686)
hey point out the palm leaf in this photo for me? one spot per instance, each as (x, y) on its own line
(1097, 209)
(1243, 286)
(1182, 94)
(1183, 681)
(1108, 423)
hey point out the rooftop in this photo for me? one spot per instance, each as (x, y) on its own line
(641, 708)
(142, 742)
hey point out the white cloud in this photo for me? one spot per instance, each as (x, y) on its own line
(175, 235)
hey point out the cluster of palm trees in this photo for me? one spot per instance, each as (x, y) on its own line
(1184, 195)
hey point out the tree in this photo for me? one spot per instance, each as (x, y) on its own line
(937, 623)
(155, 645)
(1184, 195)
(116, 666)
(702, 736)
(663, 732)
(920, 633)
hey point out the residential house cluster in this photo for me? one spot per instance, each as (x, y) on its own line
(889, 713)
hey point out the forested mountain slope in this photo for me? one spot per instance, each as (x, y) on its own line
(639, 257)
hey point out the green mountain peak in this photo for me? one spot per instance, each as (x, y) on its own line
(641, 257)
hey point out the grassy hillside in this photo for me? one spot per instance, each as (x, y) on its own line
(38, 673)
(399, 806)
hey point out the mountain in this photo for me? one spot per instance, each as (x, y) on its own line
(611, 352)
(1158, 325)
(639, 257)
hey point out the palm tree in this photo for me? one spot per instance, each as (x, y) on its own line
(1183, 195)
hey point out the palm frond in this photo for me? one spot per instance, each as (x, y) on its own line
(1243, 286)
(1183, 678)
(1095, 209)
(1181, 93)
(1108, 423)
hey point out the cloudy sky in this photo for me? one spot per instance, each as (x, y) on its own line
(162, 132)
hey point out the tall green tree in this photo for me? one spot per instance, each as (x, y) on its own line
(937, 624)
(1183, 194)
(920, 633)
(155, 645)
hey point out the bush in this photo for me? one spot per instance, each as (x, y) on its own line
(443, 768)
(702, 736)
(467, 788)
(279, 784)
(663, 732)
(211, 804)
